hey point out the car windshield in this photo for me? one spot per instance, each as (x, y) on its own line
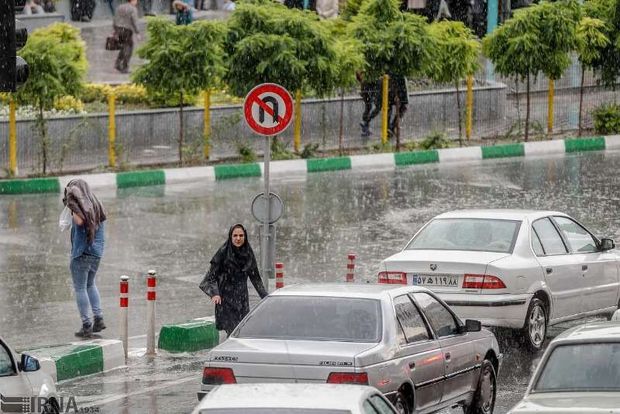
(482, 235)
(314, 318)
(582, 367)
(269, 410)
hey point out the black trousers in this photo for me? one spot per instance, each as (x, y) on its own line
(125, 37)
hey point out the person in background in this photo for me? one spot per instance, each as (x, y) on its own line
(87, 242)
(226, 282)
(397, 88)
(327, 9)
(82, 10)
(125, 25)
(370, 91)
(184, 10)
(229, 5)
(33, 7)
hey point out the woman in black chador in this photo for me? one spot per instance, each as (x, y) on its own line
(226, 283)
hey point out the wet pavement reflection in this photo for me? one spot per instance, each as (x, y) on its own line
(176, 229)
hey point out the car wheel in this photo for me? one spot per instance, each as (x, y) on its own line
(484, 397)
(535, 329)
(51, 407)
(400, 403)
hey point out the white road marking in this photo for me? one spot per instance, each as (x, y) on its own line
(167, 384)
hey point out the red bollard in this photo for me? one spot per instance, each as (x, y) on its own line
(124, 304)
(279, 275)
(151, 296)
(351, 268)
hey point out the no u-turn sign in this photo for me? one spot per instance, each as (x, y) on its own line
(268, 109)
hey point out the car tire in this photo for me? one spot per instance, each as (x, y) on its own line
(535, 330)
(483, 401)
(400, 403)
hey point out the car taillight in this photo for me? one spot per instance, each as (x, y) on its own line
(482, 282)
(217, 376)
(393, 278)
(348, 378)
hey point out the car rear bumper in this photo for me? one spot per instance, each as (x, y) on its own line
(491, 310)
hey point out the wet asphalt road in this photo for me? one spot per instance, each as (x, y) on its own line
(176, 229)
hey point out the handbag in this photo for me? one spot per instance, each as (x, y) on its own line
(112, 42)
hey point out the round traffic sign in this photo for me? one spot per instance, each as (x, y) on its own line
(259, 207)
(268, 109)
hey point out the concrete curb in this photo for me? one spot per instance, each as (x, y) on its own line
(80, 358)
(190, 336)
(304, 167)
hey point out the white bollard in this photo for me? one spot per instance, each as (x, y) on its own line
(124, 290)
(151, 297)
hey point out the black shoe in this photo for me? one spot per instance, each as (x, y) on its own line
(98, 326)
(85, 332)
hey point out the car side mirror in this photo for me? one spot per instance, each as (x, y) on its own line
(30, 363)
(607, 244)
(472, 325)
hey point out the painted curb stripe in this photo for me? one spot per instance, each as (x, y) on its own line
(544, 148)
(585, 144)
(223, 172)
(459, 154)
(188, 337)
(113, 354)
(82, 360)
(364, 162)
(140, 178)
(184, 175)
(418, 157)
(285, 167)
(328, 164)
(612, 142)
(30, 186)
(94, 181)
(503, 151)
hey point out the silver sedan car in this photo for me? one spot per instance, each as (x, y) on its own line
(404, 341)
(578, 373)
(519, 269)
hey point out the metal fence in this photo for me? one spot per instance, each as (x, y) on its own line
(80, 143)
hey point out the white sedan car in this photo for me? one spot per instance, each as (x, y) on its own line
(578, 373)
(23, 383)
(518, 269)
(294, 399)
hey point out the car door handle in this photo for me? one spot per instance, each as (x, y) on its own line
(549, 270)
(412, 365)
(584, 267)
(447, 356)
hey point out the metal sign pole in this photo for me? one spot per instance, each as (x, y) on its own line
(265, 248)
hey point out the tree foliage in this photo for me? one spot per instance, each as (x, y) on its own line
(591, 40)
(272, 43)
(608, 62)
(456, 52)
(183, 59)
(393, 42)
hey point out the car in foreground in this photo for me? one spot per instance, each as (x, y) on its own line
(294, 399)
(23, 383)
(578, 373)
(518, 269)
(402, 340)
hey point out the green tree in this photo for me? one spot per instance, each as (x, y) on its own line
(57, 60)
(591, 41)
(393, 42)
(455, 56)
(515, 52)
(182, 61)
(606, 64)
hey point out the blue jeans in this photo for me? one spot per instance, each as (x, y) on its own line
(83, 271)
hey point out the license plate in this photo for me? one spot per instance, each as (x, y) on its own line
(436, 280)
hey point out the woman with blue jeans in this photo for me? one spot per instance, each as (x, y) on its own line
(87, 242)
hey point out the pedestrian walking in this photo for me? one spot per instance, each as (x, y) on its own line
(125, 25)
(87, 241)
(184, 10)
(397, 109)
(82, 10)
(226, 283)
(370, 91)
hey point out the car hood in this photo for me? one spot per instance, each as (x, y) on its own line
(565, 402)
(445, 256)
(268, 351)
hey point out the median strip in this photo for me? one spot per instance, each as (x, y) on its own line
(195, 335)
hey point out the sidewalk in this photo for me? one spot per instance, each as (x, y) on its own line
(101, 61)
